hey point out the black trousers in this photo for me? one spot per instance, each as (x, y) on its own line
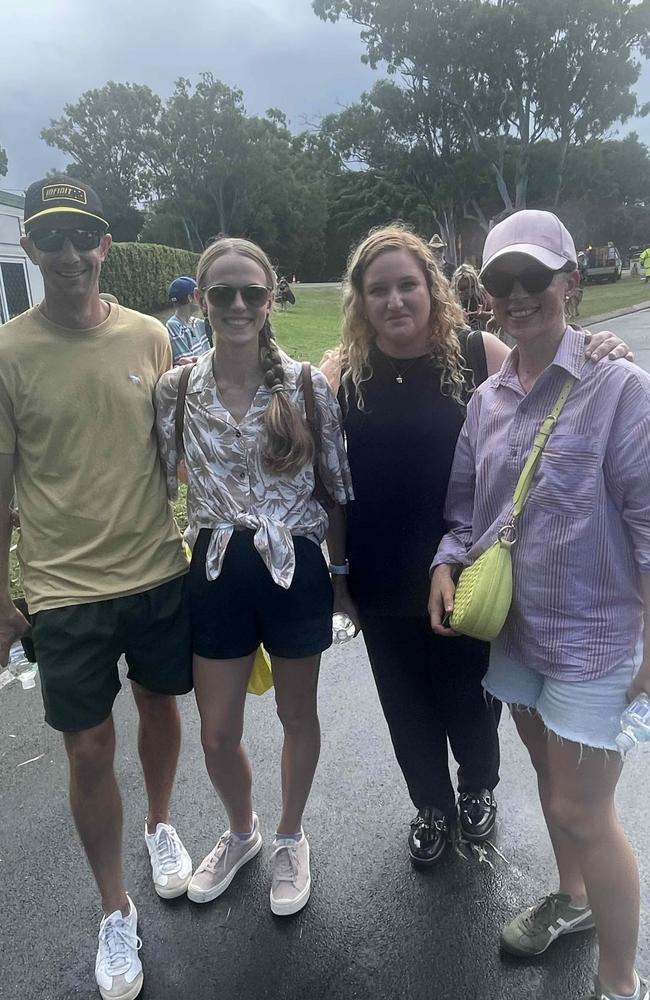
(430, 691)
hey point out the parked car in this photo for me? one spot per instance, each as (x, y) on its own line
(603, 264)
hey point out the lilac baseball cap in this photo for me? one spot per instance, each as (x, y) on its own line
(539, 235)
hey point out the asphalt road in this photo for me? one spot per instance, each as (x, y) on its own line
(633, 328)
(374, 925)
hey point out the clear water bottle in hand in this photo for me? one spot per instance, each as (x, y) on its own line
(635, 724)
(22, 668)
(342, 628)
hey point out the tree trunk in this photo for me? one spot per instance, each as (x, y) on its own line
(188, 237)
(564, 149)
(450, 226)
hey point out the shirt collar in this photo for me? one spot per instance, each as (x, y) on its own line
(202, 377)
(570, 356)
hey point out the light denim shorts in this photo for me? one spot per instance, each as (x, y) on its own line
(585, 712)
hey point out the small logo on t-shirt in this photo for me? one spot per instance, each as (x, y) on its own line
(135, 379)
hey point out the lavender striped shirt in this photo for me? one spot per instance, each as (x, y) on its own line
(584, 534)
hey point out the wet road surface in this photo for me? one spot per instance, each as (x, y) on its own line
(374, 926)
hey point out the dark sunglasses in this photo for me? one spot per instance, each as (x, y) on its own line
(50, 240)
(223, 296)
(533, 279)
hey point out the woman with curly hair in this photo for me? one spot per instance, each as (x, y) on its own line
(257, 573)
(409, 365)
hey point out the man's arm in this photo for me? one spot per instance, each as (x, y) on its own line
(12, 624)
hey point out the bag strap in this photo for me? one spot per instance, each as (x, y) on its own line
(320, 490)
(525, 479)
(475, 356)
(179, 416)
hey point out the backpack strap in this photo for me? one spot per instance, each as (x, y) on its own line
(179, 417)
(320, 490)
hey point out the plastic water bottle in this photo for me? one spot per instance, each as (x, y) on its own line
(22, 668)
(635, 724)
(342, 628)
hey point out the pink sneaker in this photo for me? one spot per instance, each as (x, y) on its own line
(218, 869)
(291, 878)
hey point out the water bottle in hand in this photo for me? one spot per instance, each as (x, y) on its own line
(635, 724)
(22, 668)
(342, 628)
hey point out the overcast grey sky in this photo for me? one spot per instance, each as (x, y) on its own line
(277, 51)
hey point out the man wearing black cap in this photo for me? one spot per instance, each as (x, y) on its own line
(102, 562)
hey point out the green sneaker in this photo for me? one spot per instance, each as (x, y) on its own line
(535, 929)
(601, 994)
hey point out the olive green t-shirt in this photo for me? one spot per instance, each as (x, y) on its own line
(76, 410)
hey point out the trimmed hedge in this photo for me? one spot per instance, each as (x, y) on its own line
(139, 274)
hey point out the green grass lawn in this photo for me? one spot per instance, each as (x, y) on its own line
(629, 291)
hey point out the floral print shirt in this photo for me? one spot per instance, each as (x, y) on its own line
(229, 485)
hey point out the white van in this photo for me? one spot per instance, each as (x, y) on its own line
(21, 284)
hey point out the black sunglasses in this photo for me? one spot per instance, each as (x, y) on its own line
(533, 279)
(50, 240)
(223, 296)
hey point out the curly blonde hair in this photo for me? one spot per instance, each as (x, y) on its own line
(446, 316)
(288, 444)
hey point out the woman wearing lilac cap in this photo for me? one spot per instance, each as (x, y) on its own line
(573, 649)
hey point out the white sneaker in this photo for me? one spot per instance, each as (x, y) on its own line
(170, 863)
(218, 869)
(118, 969)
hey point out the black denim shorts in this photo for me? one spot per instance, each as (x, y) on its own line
(244, 607)
(78, 648)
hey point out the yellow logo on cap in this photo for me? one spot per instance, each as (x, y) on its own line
(55, 191)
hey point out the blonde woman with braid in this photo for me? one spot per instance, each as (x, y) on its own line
(409, 364)
(258, 573)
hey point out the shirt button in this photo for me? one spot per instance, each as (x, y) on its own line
(238, 434)
(242, 475)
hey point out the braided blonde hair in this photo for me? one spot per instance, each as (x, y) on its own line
(288, 444)
(446, 316)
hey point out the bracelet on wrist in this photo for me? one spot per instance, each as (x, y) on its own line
(340, 569)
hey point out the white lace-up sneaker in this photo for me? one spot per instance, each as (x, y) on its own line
(118, 969)
(171, 865)
(218, 869)
(291, 877)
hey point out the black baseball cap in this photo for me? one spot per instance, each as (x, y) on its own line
(62, 196)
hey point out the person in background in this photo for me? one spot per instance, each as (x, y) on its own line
(472, 296)
(576, 644)
(438, 247)
(102, 560)
(187, 336)
(258, 575)
(644, 260)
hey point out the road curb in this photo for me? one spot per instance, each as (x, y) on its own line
(625, 311)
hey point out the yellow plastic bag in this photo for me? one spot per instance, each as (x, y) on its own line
(261, 678)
